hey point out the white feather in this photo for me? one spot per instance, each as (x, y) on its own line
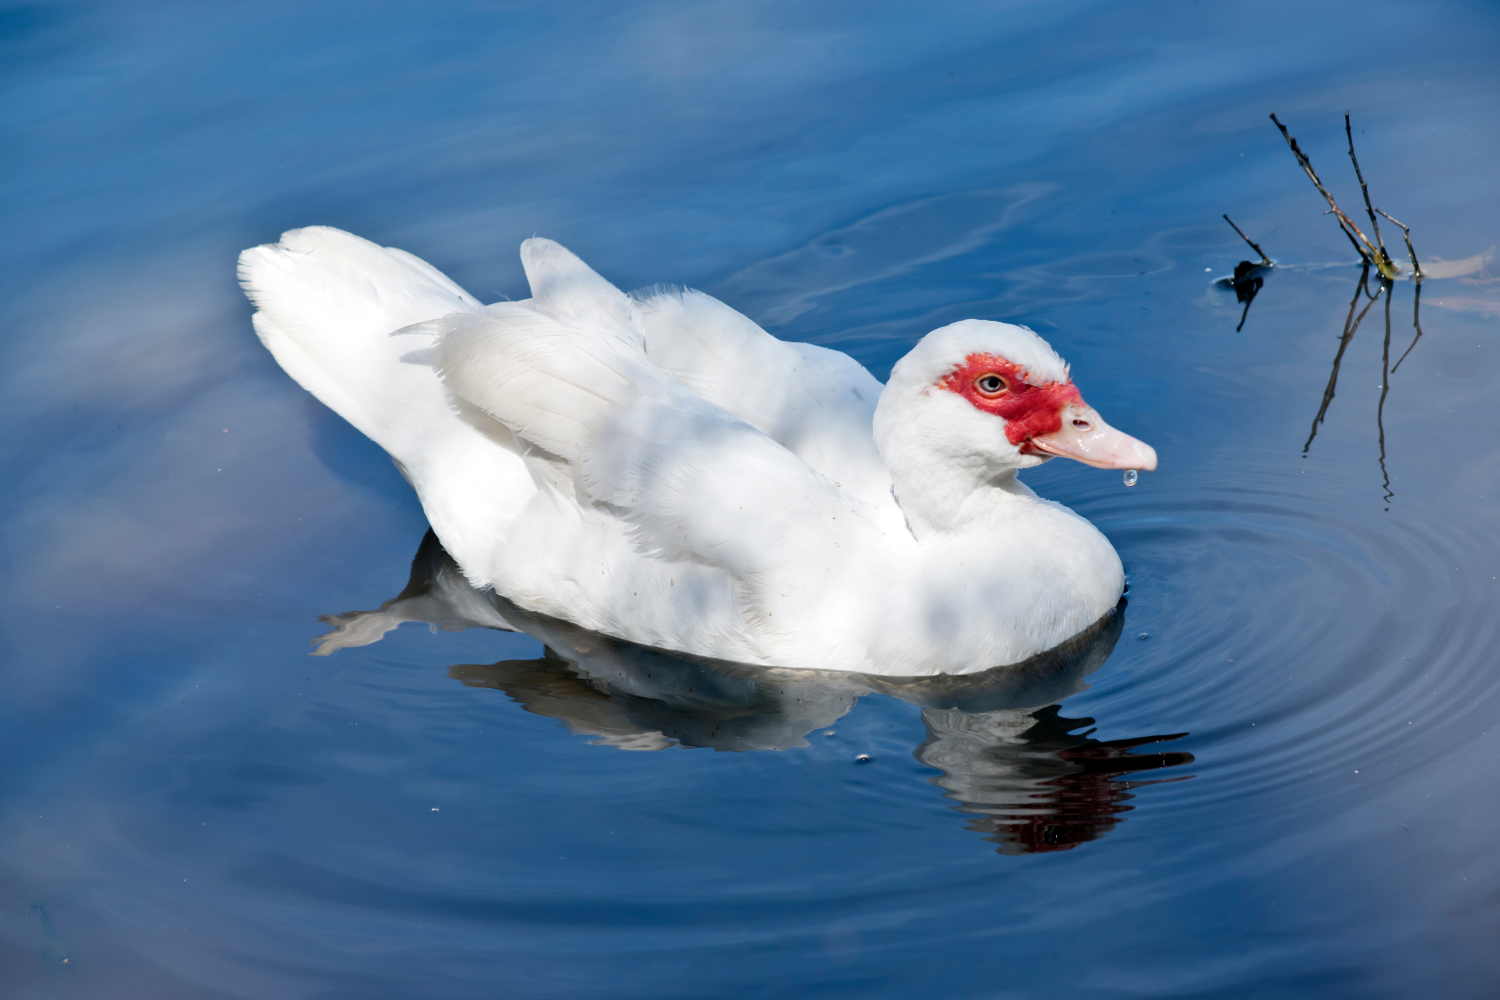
(327, 304)
(817, 403)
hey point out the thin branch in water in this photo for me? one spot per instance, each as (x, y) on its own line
(1253, 245)
(1416, 321)
(1364, 189)
(1416, 269)
(1351, 324)
(1367, 251)
(1364, 257)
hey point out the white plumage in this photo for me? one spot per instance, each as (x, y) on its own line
(660, 469)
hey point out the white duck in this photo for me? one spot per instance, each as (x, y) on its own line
(660, 469)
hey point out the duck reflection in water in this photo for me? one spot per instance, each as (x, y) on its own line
(1004, 754)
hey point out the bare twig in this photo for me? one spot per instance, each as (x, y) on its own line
(1364, 189)
(1353, 242)
(1416, 269)
(1253, 245)
(1367, 250)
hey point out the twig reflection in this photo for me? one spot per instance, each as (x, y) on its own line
(1416, 321)
(1385, 387)
(1247, 282)
(1351, 326)
(1385, 289)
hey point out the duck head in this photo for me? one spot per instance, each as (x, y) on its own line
(977, 401)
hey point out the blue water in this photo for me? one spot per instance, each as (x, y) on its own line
(1276, 774)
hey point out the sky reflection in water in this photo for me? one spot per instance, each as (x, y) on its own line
(194, 808)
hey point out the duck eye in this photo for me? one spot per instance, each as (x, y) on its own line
(991, 385)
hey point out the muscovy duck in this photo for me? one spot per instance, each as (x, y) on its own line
(658, 468)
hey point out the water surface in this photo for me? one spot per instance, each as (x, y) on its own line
(1273, 773)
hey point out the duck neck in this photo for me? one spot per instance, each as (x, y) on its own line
(952, 467)
(941, 497)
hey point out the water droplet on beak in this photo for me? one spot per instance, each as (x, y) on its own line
(1131, 477)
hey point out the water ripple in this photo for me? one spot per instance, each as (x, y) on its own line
(1312, 633)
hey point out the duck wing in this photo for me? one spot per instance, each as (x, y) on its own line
(817, 403)
(690, 481)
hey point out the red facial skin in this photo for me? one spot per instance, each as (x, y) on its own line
(1028, 410)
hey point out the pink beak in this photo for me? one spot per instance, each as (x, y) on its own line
(1085, 437)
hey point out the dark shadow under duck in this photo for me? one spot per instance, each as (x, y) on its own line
(1002, 751)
